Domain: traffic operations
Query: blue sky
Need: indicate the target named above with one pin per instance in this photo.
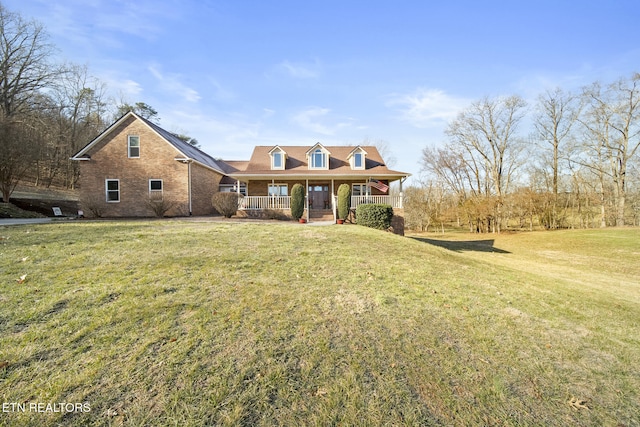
(235, 74)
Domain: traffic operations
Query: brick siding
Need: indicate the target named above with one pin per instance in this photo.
(109, 160)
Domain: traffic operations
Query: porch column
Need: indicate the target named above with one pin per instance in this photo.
(333, 198)
(306, 199)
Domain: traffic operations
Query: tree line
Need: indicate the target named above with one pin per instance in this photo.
(48, 110)
(576, 164)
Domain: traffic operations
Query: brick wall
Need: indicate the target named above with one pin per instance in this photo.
(204, 184)
(109, 160)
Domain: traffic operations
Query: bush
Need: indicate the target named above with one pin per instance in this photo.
(225, 203)
(374, 216)
(297, 201)
(159, 207)
(344, 201)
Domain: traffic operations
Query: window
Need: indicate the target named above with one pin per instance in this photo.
(357, 161)
(134, 146)
(155, 188)
(112, 187)
(357, 158)
(277, 160)
(318, 159)
(232, 188)
(278, 190)
(359, 190)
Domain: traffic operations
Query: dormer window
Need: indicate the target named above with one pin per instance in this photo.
(278, 158)
(357, 158)
(318, 157)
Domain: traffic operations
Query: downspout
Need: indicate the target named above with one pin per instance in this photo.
(189, 186)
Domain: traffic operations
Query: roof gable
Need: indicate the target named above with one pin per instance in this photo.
(187, 150)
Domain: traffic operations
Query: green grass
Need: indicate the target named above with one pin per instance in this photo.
(188, 323)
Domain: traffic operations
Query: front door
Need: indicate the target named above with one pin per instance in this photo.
(319, 196)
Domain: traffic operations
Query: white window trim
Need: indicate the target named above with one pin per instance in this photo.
(161, 191)
(129, 146)
(325, 159)
(106, 190)
(275, 184)
(363, 158)
(367, 189)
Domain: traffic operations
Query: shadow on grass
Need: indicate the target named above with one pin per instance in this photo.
(464, 245)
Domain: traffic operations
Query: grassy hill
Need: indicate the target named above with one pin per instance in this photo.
(189, 323)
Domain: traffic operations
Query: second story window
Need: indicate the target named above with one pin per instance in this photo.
(318, 159)
(277, 160)
(357, 158)
(134, 146)
(357, 161)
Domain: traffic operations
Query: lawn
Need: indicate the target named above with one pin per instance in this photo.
(220, 323)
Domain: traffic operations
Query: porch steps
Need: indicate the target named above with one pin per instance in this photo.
(317, 215)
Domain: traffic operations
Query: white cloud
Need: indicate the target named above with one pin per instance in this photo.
(119, 85)
(427, 107)
(300, 70)
(309, 119)
(171, 83)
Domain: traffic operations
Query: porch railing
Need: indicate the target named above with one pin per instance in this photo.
(265, 202)
(284, 202)
(394, 201)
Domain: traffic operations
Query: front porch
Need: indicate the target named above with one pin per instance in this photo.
(284, 202)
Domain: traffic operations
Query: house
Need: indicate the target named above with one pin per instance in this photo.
(267, 178)
(135, 163)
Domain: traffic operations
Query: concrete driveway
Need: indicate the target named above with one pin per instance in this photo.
(21, 221)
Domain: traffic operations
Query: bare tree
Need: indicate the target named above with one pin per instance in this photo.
(384, 149)
(25, 69)
(487, 131)
(77, 115)
(612, 121)
(556, 114)
(19, 144)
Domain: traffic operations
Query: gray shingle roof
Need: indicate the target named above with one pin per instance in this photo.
(187, 149)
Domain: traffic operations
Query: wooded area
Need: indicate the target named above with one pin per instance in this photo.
(48, 110)
(574, 163)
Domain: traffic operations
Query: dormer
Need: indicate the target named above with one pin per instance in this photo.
(357, 158)
(278, 158)
(318, 157)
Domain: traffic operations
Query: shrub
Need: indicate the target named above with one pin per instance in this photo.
(225, 203)
(374, 216)
(297, 201)
(94, 205)
(159, 206)
(344, 201)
